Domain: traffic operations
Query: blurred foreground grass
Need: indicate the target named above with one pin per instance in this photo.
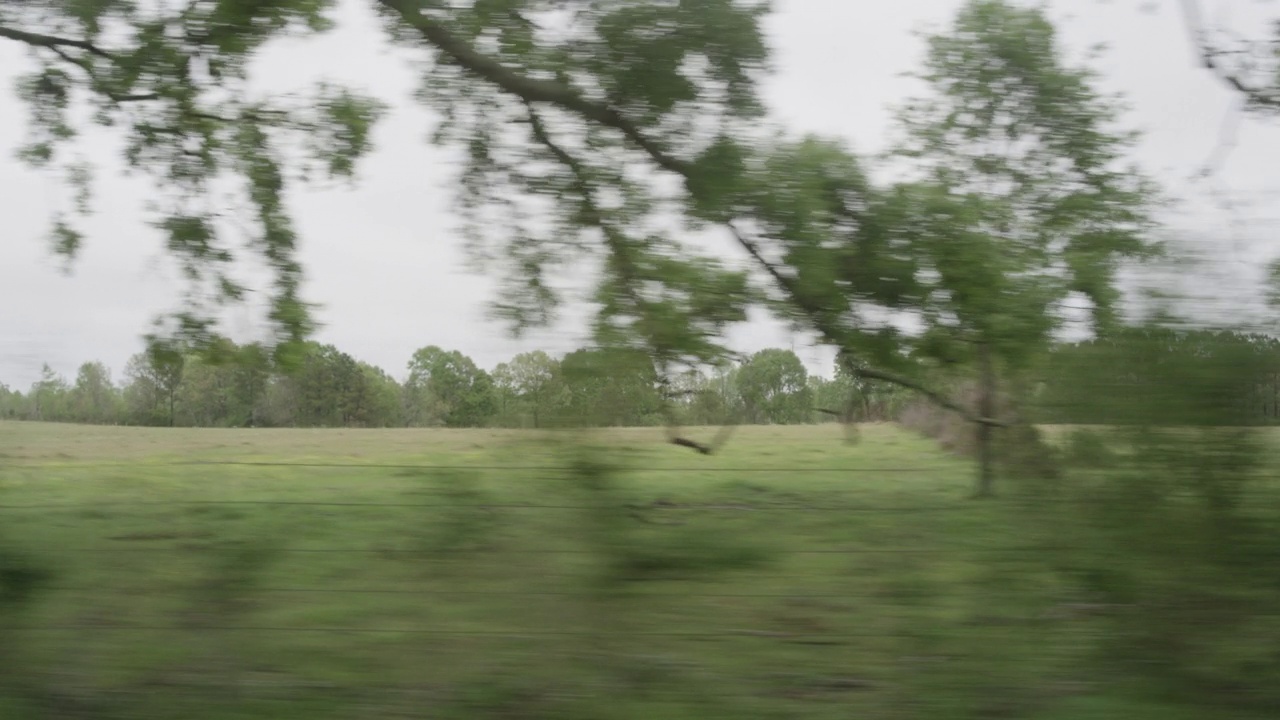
(202, 574)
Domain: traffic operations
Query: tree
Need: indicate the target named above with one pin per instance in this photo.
(93, 398)
(528, 387)
(1020, 198)
(446, 388)
(1245, 65)
(1124, 379)
(49, 396)
(327, 388)
(551, 117)
(153, 379)
(381, 405)
(223, 387)
(13, 405)
(167, 365)
(774, 388)
(610, 387)
(250, 367)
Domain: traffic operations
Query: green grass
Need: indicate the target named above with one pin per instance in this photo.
(202, 574)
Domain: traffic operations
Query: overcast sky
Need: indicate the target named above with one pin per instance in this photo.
(386, 265)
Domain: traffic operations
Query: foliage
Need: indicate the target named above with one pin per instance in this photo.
(550, 119)
(446, 388)
(174, 82)
(1022, 197)
(1127, 378)
(1171, 516)
(610, 387)
(529, 389)
(240, 386)
(774, 388)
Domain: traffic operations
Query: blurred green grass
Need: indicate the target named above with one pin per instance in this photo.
(440, 574)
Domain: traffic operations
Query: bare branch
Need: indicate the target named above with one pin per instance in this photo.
(1211, 58)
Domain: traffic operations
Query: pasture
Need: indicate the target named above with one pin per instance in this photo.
(202, 574)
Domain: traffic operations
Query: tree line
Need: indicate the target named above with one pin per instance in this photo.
(243, 386)
(1136, 373)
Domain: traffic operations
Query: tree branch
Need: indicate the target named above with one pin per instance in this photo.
(88, 70)
(58, 45)
(622, 253)
(840, 339)
(531, 90)
(52, 42)
(1209, 57)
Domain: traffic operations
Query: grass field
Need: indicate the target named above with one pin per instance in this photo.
(202, 574)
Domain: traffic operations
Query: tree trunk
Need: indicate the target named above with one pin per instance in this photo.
(986, 432)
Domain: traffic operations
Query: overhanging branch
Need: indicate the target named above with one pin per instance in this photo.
(51, 41)
(531, 90)
(618, 246)
(58, 46)
(838, 337)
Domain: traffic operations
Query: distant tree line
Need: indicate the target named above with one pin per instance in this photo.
(241, 386)
(1136, 373)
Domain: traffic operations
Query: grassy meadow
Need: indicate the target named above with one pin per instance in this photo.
(201, 574)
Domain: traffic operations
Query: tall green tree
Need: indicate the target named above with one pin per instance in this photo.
(141, 391)
(528, 389)
(325, 389)
(49, 396)
(152, 382)
(446, 388)
(611, 387)
(224, 387)
(1021, 200)
(380, 399)
(93, 398)
(774, 387)
(13, 405)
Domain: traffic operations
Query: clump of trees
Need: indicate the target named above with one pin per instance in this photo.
(242, 386)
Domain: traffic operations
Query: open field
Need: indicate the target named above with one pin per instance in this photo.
(470, 574)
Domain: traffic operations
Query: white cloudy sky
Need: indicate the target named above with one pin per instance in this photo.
(386, 265)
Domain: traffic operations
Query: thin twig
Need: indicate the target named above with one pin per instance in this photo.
(1210, 58)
